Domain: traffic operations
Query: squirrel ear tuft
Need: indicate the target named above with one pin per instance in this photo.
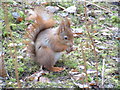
(67, 22)
(62, 23)
(61, 26)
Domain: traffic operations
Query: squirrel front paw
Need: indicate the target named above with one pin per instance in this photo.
(70, 49)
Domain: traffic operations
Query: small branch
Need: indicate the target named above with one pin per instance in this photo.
(73, 80)
(85, 65)
(5, 8)
(99, 7)
(95, 54)
(2, 67)
(94, 51)
(61, 7)
(103, 69)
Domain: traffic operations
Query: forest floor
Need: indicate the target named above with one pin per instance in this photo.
(97, 39)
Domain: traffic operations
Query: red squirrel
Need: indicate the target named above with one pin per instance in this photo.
(48, 42)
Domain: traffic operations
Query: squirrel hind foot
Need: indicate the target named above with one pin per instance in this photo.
(56, 69)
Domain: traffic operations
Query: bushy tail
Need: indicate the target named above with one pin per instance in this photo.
(42, 20)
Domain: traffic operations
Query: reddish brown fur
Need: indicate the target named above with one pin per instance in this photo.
(49, 42)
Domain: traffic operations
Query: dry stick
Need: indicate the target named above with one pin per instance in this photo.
(7, 24)
(99, 7)
(16, 68)
(73, 80)
(103, 70)
(2, 67)
(5, 7)
(95, 53)
(85, 65)
(61, 7)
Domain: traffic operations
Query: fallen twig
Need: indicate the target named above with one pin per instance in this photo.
(99, 7)
(85, 65)
(103, 69)
(61, 7)
(73, 80)
(5, 7)
(94, 51)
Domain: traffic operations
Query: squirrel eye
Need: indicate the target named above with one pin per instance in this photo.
(65, 37)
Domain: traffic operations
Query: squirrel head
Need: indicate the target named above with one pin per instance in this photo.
(65, 33)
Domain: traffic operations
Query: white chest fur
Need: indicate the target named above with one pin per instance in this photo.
(57, 55)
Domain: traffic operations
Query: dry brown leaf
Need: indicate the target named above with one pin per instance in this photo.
(92, 83)
(44, 80)
(79, 76)
(36, 76)
(73, 71)
(91, 71)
